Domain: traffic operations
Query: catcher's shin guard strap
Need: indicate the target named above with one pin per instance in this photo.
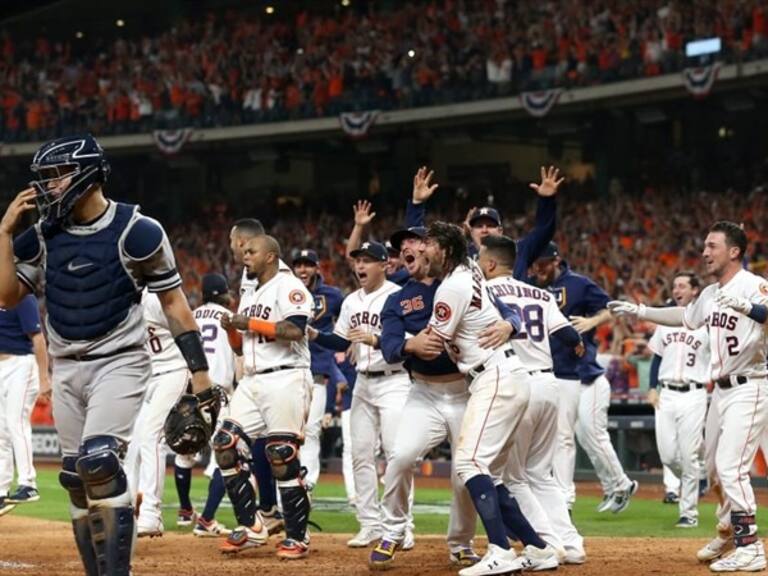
(82, 530)
(296, 509)
(226, 446)
(69, 479)
(242, 496)
(191, 347)
(112, 536)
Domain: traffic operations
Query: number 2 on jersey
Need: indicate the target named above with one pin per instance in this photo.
(209, 332)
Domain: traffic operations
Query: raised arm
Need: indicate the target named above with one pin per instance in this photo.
(416, 210)
(12, 290)
(363, 217)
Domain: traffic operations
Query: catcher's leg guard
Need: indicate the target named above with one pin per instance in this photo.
(69, 479)
(110, 513)
(237, 478)
(283, 454)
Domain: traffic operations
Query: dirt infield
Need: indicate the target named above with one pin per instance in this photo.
(36, 547)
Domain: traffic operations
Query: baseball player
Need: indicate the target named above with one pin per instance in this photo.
(680, 367)
(23, 378)
(528, 475)
(242, 231)
(344, 386)
(97, 255)
(272, 399)
(145, 459)
(327, 306)
(585, 391)
(734, 309)
(499, 391)
(380, 388)
(221, 361)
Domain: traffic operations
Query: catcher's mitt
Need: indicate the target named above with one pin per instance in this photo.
(190, 423)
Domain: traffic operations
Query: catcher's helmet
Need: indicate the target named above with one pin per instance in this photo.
(66, 168)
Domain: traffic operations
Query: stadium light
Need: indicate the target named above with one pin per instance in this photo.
(79, 35)
(345, 3)
(270, 9)
(120, 23)
(411, 53)
(703, 47)
(299, 50)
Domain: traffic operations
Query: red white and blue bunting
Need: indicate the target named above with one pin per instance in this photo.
(539, 103)
(357, 124)
(171, 141)
(699, 81)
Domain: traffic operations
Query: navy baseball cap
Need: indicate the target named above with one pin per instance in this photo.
(214, 285)
(551, 251)
(397, 238)
(375, 250)
(306, 255)
(485, 212)
(391, 249)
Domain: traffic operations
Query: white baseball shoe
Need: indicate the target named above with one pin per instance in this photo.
(605, 504)
(750, 558)
(718, 546)
(213, 529)
(574, 555)
(408, 540)
(496, 561)
(149, 527)
(367, 536)
(537, 559)
(243, 538)
(621, 498)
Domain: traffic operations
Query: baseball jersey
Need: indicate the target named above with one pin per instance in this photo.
(218, 352)
(462, 310)
(166, 356)
(540, 315)
(249, 283)
(577, 295)
(16, 326)
(283, 296)
(363, 310)
(737, 343)
(684, 354)
(142, 253)
(327, 306)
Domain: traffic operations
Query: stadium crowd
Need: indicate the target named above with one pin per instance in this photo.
(242, 66)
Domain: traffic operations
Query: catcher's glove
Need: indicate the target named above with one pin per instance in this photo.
(190, 423)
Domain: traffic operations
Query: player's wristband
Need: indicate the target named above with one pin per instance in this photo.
(191, 347)
(262, 327)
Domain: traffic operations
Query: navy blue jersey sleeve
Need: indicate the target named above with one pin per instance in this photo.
(593, 298)
(400, 276)
(28, 251)
(392, 339)
(511, 315)
(147, 245)
(654, 375)
(568, 336)
(415, 214)
(29, 315)
(332, 341)
(532, 244)
(298, 321)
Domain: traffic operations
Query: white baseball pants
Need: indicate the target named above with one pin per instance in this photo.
(528, 475)
(19, 385)
(679, 427)
(377, 405)
(310, 452)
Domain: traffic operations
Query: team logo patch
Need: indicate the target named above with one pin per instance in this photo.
(764, 289)
(297, 297)
(442, 311)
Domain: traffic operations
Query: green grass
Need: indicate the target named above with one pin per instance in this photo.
(643, 518)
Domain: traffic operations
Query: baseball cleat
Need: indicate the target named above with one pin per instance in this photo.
(537, 559)
(621, 498)
(383, 555)
(605, 503)
(150, 529)
(210, 529)
(5, 506)
(750, 558)
(364, 538)
(185, 517)
(243, 538)
(496, 561)
(670, 498)
(685, 522)
(290, 549)
(273, 520)
(464, 557)
(408, 541)
(23, 495)
(718, 546)
(574, 555)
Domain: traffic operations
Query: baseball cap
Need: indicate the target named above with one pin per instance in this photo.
(375, 250)
(306, 255)
(485, 212)
(391, 249)
(214, 285)
(551, 251)
(397, 238)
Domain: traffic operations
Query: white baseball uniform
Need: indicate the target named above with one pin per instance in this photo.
(738, 414)
(528, 475)
(499, 386)
(377, 400)
(683, 378)
(145, 459)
